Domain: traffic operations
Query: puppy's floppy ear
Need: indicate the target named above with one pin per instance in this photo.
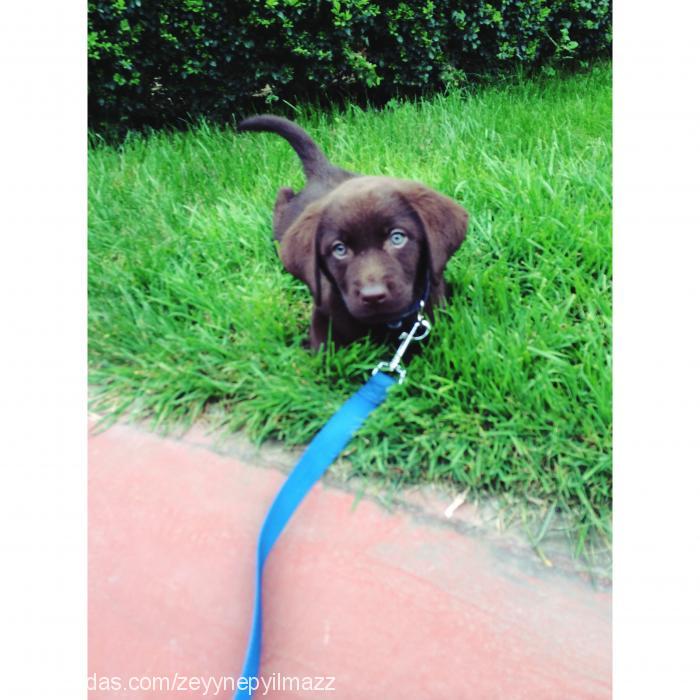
(298, 248)
(444, 222)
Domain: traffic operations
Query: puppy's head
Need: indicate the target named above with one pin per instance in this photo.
(374, 240)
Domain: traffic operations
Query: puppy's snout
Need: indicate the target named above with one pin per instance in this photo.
(373, 294)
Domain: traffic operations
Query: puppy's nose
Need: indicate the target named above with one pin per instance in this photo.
(373, 293)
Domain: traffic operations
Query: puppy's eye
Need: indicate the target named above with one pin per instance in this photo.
(397, 237)
(339, 250)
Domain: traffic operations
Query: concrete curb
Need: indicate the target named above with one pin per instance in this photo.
(388, 604)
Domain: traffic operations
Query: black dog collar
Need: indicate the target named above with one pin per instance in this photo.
(412, 312)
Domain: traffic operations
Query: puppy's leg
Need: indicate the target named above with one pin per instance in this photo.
(284, 197)
(323, 330)
(319, 329)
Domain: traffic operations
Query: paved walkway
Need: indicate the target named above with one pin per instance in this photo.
(359, 602)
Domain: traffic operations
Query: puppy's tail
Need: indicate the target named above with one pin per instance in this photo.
(313, 160)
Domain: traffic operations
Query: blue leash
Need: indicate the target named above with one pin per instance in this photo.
(319, 455)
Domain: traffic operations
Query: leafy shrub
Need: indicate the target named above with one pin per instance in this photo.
(168, 62)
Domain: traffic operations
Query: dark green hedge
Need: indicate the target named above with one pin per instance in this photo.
(167, 62)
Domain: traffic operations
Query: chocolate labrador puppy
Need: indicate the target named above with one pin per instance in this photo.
(369, 248)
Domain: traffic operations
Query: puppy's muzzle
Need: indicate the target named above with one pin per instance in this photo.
(373, 295)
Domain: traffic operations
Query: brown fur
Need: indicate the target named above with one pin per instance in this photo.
(376, 278)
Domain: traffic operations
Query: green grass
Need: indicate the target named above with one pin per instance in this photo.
(192, 314)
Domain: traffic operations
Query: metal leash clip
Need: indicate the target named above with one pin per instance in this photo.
(407, 337)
